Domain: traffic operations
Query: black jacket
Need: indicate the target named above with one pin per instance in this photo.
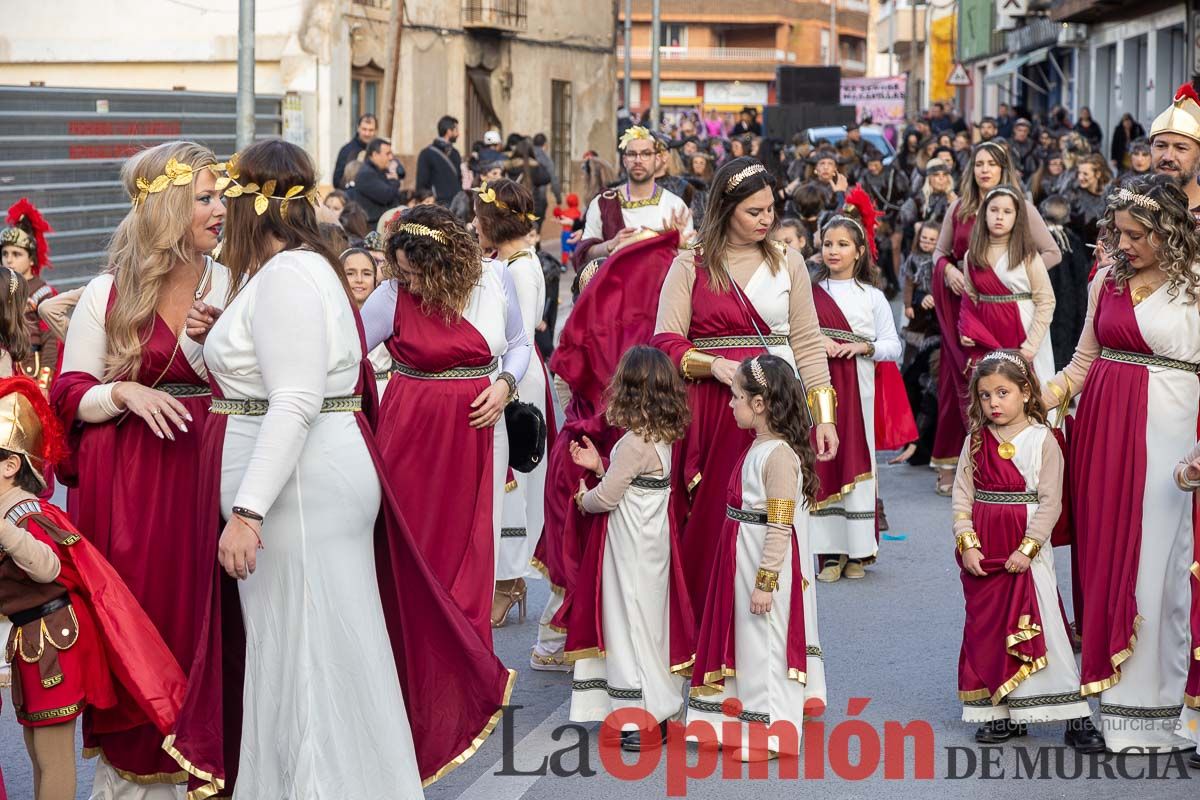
(375, 191)
(348, 153)
(439, 169)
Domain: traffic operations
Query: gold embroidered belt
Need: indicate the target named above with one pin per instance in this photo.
(651, 483)
(248, 407)
(1148, 360)
(454, 373)
(749, 515)
(1004, 298)
(383, 375)
(719, 342)
(1005, 498)
(183, 389)
(845, 336)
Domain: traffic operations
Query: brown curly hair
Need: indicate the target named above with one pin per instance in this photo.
(647, 397)
(1025, 379)
(1172, 231)
(500, 225)
(442, 275)
(787, 412)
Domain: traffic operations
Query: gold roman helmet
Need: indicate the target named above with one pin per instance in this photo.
(1183, 116)
(28, 426)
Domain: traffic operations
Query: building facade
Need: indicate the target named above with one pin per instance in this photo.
(916, 38)
(721, 55)
(518, 65)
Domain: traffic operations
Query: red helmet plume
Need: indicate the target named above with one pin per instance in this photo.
(1186, 90)
(859, 204)
(54, 443)
(23, 214)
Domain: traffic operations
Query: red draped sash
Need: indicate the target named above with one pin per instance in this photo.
(992, 326)
(134, 496)
(614, 312)
(431, 454)
(716, 651)
(707, 455)
(1002, 635)
(952, 381)
(895, 425)
(1106, 491)
(853, 460)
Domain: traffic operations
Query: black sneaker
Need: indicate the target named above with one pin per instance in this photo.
(998, 731)
(1083, 736)
(1194, 760)
(631, 741)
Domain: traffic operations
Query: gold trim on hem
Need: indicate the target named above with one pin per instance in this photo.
(571, 656)
(1191, 700)
(685, 668)
(212, 784)
(845, 490)
(714, 682)
(944, 463)
(169, 778)
(973, 695)
(1116, 659)
(799, 676)
(540, 567)
(478, 741)
(1195, 569)
(694, 482)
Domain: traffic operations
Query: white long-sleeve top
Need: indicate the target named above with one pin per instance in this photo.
(493, 309)
(87, 341)
(869, 315)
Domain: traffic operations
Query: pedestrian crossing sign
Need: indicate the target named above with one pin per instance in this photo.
(958, 76)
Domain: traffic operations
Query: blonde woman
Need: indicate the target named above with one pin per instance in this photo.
(134, 396)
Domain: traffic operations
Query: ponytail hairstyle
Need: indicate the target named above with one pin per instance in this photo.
(774, 380)
(1013, 366)
(14, 299)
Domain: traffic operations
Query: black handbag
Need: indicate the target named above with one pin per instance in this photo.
(526, 435)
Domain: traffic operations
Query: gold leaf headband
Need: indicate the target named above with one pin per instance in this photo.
(175, 174)
(633, 134)
(756, 370)
(1000, 355)
(753, 169)
(488, 195)
(12, 283)
(229, 186)
(1124, 195)
(417, 229)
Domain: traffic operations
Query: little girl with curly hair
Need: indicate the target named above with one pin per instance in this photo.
(631, 579)
(758, 642)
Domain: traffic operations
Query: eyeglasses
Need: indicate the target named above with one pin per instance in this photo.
(642, 156)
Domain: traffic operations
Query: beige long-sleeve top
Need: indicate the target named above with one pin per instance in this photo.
(1049, 483)
(630, 458)
(1043, 300)
(1181, 478)
(1042, 238)
(1070, 380)
(804, 331)
(56, 311)
(36, 558)
(781, 476)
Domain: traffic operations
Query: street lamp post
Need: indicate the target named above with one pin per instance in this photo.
(655, 36)
(628, 55)
(245, 74)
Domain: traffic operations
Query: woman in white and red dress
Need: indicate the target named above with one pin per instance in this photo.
(736, 296)
(1135, 367)
(453, 326)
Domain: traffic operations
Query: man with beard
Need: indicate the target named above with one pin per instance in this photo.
(1175, 144)
(439, 166)
(622, 214)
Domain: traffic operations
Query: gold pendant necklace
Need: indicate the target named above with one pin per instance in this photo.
(1006, 449)
(1141, 293)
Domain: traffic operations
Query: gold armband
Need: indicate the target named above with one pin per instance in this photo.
(1029, 547)
(780, 511)
(822, 402)
(766, 580)
(959, 516)
(966, 540)
(696, 364)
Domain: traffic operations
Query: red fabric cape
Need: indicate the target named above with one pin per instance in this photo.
(1106, 494)
(454, 686)
(582, 610)
(135, 680)
(952, 380)
(150, 531)
(1002, 633)
(612, 219)
(993, 326)
(614, 312)
(716, 645)
(895, 425)
(853, 458)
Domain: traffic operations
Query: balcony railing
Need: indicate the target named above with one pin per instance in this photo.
(498, 15)
(710, 54)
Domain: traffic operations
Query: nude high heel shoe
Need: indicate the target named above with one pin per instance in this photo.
(508, 594)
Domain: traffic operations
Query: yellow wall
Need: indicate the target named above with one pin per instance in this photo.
(941, 56)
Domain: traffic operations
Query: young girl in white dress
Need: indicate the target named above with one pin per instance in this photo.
(633, 664)
(758, 642)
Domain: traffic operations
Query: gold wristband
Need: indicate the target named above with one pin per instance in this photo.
(870, 350)
(966, 540)
(822, 402)
(959, 516)
(766, 580)
(696, 364)
(780, 511)
(1029, 547)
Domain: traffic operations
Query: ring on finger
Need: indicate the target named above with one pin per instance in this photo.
(156, 412)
